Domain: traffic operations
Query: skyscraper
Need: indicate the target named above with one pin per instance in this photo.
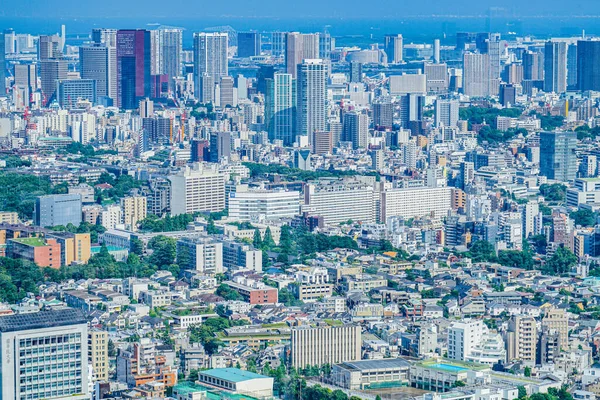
(572, 66)
(25, 78)
(210, 57)
(588, 65)
(49, 47)
(446, 112)
(355, 72)
(133, 67)
(278, 44)
(311, 96)
(94, 63)
(532, 66)
(300, 47)
(555, 67)
(356, 129)
(248, 44)
(436, 51)
(393, 48)
(227, 96)
(2, 64)
(280, 101)
(476, 79)
(58, 209)
(383, 114)
(169, 47)
(494, 50)
(558, 160)
(51, 70)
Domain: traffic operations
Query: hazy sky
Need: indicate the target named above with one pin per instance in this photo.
(287, 8)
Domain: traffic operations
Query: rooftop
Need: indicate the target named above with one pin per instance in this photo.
(42, 319)
(376, 364)
(232, 374)
(31, 241)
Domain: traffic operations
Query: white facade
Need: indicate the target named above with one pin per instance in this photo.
(341, 201)
(408, 83)
(255, 205)
(197, 189)
(325, 345)
(463, 337)
(416, 202)
(111, 216)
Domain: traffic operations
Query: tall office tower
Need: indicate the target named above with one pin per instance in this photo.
(508, 94)
(70, 91)
(169, 46)
(62, 335)
(532, 66)
(228, 97)
(293, 52)
(146, 108)
(300, 47)
(280, 101)
(2, 64)
(393, 48)
(311, 96)
(325, 345)
(555, 67)
(220, 146)
(513, 74)
(558, 160)
(436, 51)
(325, 45)
(57, 209)
(264, 72)
(481, 41)
(210, 57)
(197, 189)
(248, 44)
(572, 66)
(355, 72)
(476, 75)
(105, 36)
(49, 47)
(494, 50)
(25, 77)
(133, 67)
(205, 88)
(436, 77)
(588, 65)
(463, 337)
(446, 112)
(356, 129)
(94, 63)
(521, 339)
(278, 40)
(383, 114)
(51, 71)
(411, 109)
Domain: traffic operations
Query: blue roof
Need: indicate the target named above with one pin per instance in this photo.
(232, 374)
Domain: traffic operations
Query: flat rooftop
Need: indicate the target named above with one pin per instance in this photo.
(385, 363)
(232, 374)
(31, 241)
(42, 319)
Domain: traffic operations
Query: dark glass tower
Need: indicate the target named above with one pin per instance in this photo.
(133, 67)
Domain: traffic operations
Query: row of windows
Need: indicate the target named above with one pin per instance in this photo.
(50, 349)
(71, 338)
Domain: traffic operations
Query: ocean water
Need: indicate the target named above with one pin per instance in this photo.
(347, 31)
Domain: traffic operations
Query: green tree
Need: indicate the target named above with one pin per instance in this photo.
(482, 251)
(561, 261)
(257, 240)
(584, 217)
(527, 372)
(553, 192)
(164, 250)
(268, 242)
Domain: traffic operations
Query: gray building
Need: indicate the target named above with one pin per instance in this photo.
(555, 67)
(588, 65)
(210, 56)
(57, 209)
(98, 62)
(248, 44)
(558, 160)
(44, 355)
(69, 91)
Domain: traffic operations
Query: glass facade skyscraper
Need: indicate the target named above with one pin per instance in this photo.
(133, 67)
(558, 160)
(280, 102)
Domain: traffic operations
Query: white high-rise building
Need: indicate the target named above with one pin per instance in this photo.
(476, 74)
(256, 205)
(111, 216)
(279, 108)
(168, 42)
(59, 335)
(210, 57)
(311, 97)
(341, 200)
(203, 254)
(532, 219)
(325, 345)
(446, 112)
(200, 188)
(134, 211)
(555, 67)
(463, 337)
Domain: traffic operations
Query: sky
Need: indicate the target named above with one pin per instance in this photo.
(287, 8)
